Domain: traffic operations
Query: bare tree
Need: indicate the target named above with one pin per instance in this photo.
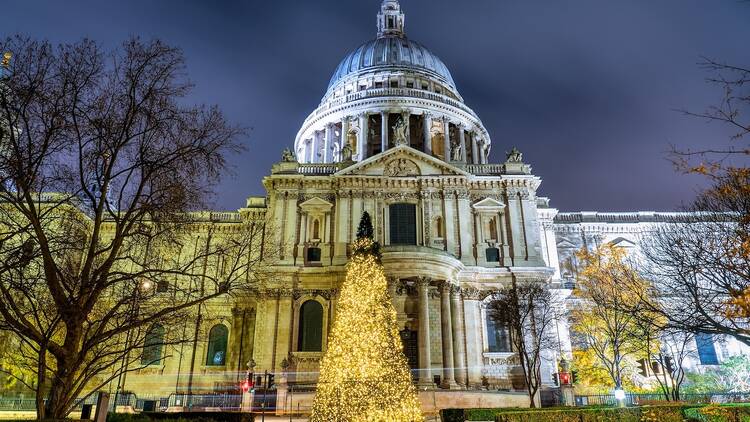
(606, 314)
(732, 111)
(529, 310)
(700, 274)
(103, 167)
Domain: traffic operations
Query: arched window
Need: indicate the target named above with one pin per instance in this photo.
(316, 229)
(217, 345)
(310, 337)
(152, 345)
(498, 339)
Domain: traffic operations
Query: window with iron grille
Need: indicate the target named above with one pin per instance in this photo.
(403, 224)
(493, 255)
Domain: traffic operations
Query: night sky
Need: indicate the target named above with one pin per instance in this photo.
(586, 89)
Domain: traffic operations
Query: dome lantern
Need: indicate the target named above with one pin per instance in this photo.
(391, 19)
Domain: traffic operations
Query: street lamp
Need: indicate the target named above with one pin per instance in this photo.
(620, 396)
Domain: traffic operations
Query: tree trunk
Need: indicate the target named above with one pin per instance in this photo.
(40, 382)
(58, 400)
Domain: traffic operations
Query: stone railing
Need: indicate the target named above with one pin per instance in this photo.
(395, 92)
(484, 169)
(320, 168)
(624, 217)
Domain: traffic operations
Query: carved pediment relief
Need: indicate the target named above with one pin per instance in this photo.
(401, 167)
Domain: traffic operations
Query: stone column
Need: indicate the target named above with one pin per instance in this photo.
(447, 140)
(459, 346)
(392, 284)
(448, 380)
(327, 144)
(363, 135)
(405, 118)
(345, 132)
(473, 331)
(427, 147)
(384, 131)
(474, 149)
(462, 142)
(423, 335)
(315, 147)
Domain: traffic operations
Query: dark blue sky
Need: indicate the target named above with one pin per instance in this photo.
(586, 89)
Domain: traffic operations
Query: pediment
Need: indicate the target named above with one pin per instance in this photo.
(566, 244)
(402, 161)
(488, 204)
(316, 203)
(621, 242)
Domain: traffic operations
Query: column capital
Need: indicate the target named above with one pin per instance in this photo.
(447, 285)
(423, 281)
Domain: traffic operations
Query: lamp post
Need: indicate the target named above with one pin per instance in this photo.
(620, 396)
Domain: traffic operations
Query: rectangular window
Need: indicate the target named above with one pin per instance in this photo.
(378, 84)
(313, 254)
(706, 349)
(394, 84)
(493, 255)
(403, 224)
(497, 337)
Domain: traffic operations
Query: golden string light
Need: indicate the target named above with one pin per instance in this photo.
(364, 375)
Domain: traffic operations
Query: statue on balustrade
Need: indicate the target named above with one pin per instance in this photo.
(456, 152)
(287, 156)
(514, 156)
(399, 133)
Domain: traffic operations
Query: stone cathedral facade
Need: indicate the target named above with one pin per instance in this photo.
(393, 137)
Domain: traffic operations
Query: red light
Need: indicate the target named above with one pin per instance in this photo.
(564, 378)
(245, 386)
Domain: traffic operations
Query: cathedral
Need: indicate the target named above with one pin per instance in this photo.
(393, 137)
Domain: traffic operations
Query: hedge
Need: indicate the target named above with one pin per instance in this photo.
(655, 413)
(181, 417)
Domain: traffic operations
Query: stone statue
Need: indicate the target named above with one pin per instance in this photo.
(346, 153)
(456, 152)
(514, 156)
(399, 133)
(287, 156)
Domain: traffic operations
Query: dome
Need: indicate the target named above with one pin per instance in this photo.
(385, 90)
(389, 52)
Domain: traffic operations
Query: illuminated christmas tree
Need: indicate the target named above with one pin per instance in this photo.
(364, 375)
